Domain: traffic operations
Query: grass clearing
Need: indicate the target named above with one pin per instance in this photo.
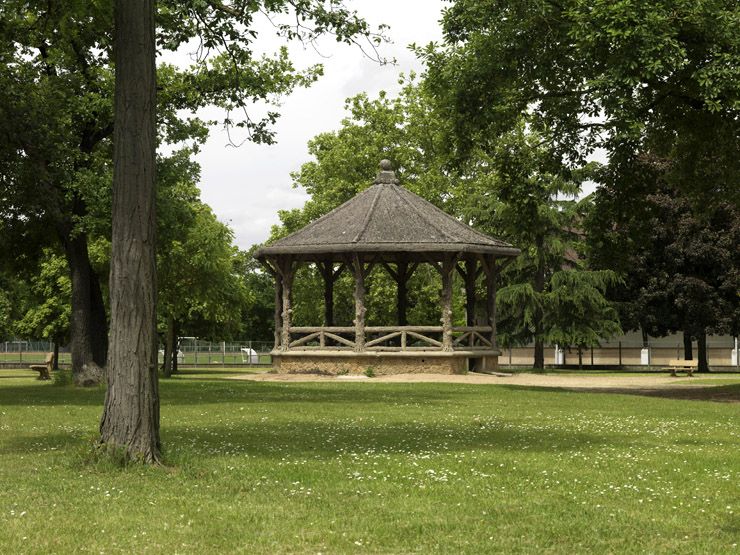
(372, 468)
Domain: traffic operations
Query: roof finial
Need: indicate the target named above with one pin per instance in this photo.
(386, 174)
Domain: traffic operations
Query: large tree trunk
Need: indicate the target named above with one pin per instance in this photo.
(687, 349)
(702, 352)
(130, 420)
(88, 326)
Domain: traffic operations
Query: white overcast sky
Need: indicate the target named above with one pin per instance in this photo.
(246, 186)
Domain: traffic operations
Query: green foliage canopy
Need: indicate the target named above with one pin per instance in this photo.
(621, 75)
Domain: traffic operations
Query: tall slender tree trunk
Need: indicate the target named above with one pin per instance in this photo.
(130, 420)
(176, 345)
(402, 299)
(539, 287)
(687, 349)
(470, 269)
(169, 346)
(329, 298)
(55, 366)
(88, 326)
(702, 352)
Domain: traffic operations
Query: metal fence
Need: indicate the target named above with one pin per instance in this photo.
(207, 353)
(191, 352)
(29, 352)
(721, 352)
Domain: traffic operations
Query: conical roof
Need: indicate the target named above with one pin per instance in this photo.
(390, 219)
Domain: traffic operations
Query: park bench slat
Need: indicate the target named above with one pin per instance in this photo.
(678, 365)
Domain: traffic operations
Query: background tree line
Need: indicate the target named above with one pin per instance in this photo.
(512, 165)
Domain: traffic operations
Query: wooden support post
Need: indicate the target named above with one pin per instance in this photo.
(470, 268)
(278, 310)
(494, 325)
(358, 269)
(489, 267)
(273, 268)
(328, 302)
(448, 266)
(327, 272)
(286, 270)
(469, 273)
(402, 292)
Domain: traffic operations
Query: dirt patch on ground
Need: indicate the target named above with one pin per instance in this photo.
(655, 386)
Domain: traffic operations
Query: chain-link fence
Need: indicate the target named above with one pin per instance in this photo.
(29, 352)
(197, 352)
(192, 352)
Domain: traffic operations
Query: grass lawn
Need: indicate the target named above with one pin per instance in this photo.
(372, 468)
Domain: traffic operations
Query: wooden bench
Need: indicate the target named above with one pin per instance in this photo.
(678, 365)
(44, 370)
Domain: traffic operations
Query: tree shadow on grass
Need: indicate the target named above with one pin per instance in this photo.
(326, 440)
(195, 392)
(717, 393)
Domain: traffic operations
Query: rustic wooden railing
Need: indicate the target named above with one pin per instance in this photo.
(388, 338)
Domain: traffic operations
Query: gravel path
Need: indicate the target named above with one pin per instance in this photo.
(537, 380)
(658, 386)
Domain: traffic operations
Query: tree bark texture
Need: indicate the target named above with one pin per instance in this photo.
(130, 420)
(176, 345)
(358, 269)
(491, 290)
(701, 347)
(278, 310)
(169, 347)
(286, 269)
(330, 276)
(687, 347)
(88, 324)
(329, 302)
(402, 295)
(489, 267)
(401, 275)
(448, 267)
(470, 276)
(55, 366)
(539, 287)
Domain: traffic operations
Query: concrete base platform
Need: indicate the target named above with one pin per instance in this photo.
(383, 363)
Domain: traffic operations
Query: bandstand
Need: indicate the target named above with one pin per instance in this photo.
(389, 226)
